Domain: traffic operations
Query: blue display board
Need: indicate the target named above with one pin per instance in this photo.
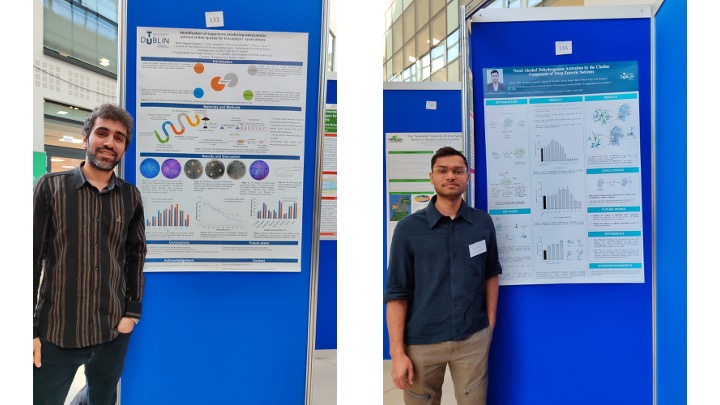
(405, 110)
(570, 343)
(326, 326)
(671, 203)
(331, 92)
(215, 337)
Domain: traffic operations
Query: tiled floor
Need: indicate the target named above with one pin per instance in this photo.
(324, 388)
(394, 396)
(324, 373)
(77, 385)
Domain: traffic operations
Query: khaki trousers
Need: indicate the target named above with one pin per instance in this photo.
(468, 362)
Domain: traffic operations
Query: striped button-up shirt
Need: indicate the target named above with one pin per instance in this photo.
(88, 256)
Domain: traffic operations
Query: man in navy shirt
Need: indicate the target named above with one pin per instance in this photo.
(442, 291)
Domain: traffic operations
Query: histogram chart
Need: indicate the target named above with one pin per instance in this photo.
(564, 249)
(554, 152)
(562, 199)
(171, 216)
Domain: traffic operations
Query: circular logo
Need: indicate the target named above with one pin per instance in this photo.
(248, 95)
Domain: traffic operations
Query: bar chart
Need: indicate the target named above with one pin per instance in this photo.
(554, 251)
(275, 210)
(562, 199)
(564, 249)
(554, 152)
(170, 216)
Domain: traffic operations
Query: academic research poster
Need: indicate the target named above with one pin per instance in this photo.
(220, 143)
(564, 172)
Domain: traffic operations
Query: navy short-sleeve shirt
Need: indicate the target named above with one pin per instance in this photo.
(440, 266)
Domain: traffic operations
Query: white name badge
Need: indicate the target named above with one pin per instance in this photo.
(477, 248)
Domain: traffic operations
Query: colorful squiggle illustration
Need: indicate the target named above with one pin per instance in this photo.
(174, 129)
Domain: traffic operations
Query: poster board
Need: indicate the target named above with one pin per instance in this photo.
(328, 225)
(415, 109)
(326, 329)
(671, 209)
(260, 317)
(559, 341)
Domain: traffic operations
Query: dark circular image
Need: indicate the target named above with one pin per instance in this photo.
(193, 169)
(171, 168)
(149, 168)
(259, 170)
(215, 169)
(236, 169)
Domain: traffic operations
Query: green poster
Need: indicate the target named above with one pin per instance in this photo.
(331, 121)
(39, 165)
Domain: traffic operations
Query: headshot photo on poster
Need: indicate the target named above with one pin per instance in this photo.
(495, 80)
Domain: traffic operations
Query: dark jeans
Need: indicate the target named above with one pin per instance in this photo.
(103, 367)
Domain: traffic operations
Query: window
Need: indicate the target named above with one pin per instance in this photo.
(452, 16)
(397, 63)
(410, 55)
(331, 51)
(422, 40)
(397, 35)
(436, 6)
(437, 57)
(84, 33)
(388, 44)
(453, 46)
(396, 9)
(409, 74)
(422, 12)
(438, 28)
(423, 66)
(453, 71)
(63, 136)
(409, 23)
